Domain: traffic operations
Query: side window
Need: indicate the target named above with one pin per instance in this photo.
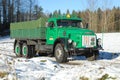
(51, 24)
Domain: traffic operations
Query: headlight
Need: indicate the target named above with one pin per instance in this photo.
(99, 41)
(74, 44)
(69, 41)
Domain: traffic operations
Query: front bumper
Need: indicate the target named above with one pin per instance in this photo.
(80, 51)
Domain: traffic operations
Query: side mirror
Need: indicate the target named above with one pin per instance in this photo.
(87, 25)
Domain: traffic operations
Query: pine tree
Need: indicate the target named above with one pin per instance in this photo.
(55, 13)
(74, 13)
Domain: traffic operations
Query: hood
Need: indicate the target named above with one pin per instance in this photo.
(75, 34)
(75, 31)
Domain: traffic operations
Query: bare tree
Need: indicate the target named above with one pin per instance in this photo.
(4, 13)
(0, 17)
(92, 4)
(12, 11)
(4, 10)
(30, 10)
(0, 10)
(9, 11)
(38, 11)
(18, 4)
(106, 15)
(28, 6)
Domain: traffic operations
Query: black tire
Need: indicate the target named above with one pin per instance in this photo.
(96, 54)
(18, 49)
(25, 51)
(90, 56)
(28, 51)
(60, 54)
(31, 51)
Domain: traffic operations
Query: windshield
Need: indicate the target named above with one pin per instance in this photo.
(71, 23)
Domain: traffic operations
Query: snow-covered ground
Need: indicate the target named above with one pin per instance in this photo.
(106, 67)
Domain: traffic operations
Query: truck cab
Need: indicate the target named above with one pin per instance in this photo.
(69, 37)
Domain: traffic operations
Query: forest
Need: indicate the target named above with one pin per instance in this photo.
(99, 20)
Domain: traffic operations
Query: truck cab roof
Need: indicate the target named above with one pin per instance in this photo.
(64, 18)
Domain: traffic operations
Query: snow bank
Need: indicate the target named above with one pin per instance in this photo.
(36, 68)
(111, 42)
(45, 68)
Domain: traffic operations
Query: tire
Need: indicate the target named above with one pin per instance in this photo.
(25, 51)
(31, 51)
(17, 49)
(96, 54)
(90, 57)
(60, 54)
(28, 51)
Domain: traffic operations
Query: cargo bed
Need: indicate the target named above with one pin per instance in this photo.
(29, 30)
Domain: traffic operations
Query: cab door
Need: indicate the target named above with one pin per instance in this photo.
(51, 33)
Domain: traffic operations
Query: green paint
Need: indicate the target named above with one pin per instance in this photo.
(36, 30)
(17, 50)
(25, 50)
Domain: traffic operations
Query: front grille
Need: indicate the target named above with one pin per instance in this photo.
(88, 41)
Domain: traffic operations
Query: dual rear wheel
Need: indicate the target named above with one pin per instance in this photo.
(24, 50)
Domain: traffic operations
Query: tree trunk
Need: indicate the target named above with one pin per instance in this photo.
(18, 10)
(12, 11)
(4, 14)
(30, 12)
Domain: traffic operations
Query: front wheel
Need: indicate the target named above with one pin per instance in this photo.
(92, 56)
(60, 54)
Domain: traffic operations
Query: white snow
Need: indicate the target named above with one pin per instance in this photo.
(46, 68)
(111, 42)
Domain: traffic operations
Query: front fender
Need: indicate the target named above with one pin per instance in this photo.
(63, 42)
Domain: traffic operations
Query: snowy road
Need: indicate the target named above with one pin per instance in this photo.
(45, 68)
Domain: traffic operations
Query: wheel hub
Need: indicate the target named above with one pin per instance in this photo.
(24, 50)
(59, 53)
(17, 49)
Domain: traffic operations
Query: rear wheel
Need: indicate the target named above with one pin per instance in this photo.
(28, 51)
(25, 50)
(17, 49)
(32, 51)
(60, 54)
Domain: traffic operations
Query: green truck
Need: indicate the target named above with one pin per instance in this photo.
(62, 37)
